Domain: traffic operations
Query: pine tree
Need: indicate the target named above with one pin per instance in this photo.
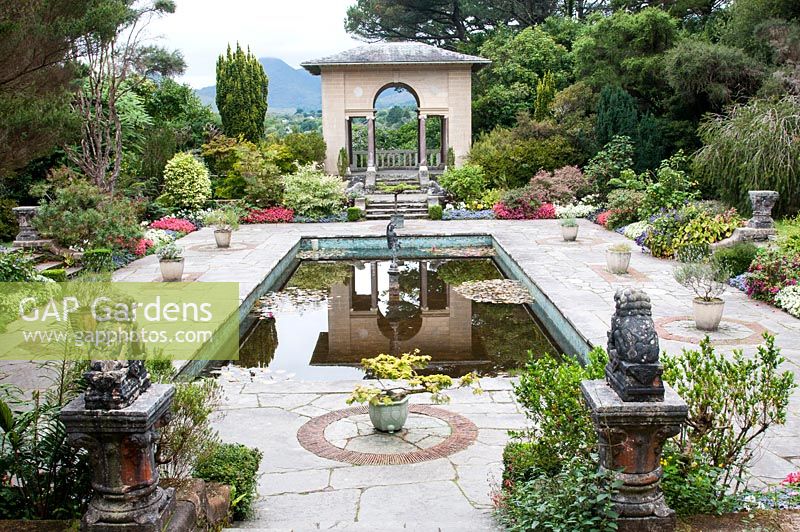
(616, 115)
(545, 94)
(242, 88)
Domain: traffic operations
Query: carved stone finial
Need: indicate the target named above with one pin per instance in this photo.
(114, 384)
(633, 369)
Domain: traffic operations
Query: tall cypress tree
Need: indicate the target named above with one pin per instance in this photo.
(545, 94)
(242, 88)
(616, 115)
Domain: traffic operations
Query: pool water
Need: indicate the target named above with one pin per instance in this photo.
(331, 314)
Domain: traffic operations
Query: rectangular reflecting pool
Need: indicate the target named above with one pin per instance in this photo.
(331, 314)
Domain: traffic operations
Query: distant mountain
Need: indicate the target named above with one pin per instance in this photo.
(291, 89)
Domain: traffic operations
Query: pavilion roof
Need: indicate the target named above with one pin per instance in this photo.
(393, 53)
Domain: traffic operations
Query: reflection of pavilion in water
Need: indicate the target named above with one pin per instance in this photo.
(375, 312)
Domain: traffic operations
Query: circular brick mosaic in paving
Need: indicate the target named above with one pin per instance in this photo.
(348, 436)
(212, 247)
(730, 332)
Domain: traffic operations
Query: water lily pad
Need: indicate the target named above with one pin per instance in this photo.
(495, 291)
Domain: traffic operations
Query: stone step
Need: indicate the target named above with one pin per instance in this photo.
(386, 216)
(72, 271)
(49, 265)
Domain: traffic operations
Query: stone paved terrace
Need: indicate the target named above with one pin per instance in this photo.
(301, 490)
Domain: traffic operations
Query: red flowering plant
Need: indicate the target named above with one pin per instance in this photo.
(523, 204)
(170, 223)
(772, 270)
(142, 247)
(272, 215)
(602, 218)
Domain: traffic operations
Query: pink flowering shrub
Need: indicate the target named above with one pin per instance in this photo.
(561, 186)
(170, 223)
(602, 218)
(792, 478)
(770, 271)
(272, 215)
(142, 247)
(546, 211)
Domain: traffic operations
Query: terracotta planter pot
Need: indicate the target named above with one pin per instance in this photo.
(389, 418)
(171, 270)
(570, 234)
(708, 314)
(223, 238)
(618, 262)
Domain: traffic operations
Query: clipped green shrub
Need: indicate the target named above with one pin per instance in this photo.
(186, 182)
(310, 192)
(237, 466)
(98, 260)
(736, 259)
(354, 214)
(58, 275)
(435, 212)
(466, 183)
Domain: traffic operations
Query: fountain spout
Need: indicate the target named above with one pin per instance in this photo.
(393, 242)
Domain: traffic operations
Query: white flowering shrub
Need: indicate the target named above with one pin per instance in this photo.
(581, 209)
(789, 300)
(635, 230)
(159, 237)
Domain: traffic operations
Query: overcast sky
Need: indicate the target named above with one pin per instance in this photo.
(293, 30)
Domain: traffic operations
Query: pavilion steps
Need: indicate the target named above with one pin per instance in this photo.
(410, 207)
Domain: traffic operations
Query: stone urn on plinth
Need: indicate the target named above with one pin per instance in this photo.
(634, 413)
(762, 202)
(28, 236)
(116, 420)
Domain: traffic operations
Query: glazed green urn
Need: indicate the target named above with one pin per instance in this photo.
(389, 418)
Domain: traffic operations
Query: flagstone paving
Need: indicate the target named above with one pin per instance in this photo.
(301, 490)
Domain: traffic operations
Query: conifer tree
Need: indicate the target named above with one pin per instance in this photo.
(242, 88)
(616, 115)
(545, 93)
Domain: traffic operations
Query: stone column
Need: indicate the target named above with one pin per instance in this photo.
(423, 152)
(423, 285)
(348, 135)
(373, 270)
(117, 421)
(634, 413)
(444, 141)
(372, 171)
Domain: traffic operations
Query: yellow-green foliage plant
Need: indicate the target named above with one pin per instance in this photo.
(402, 371)
(186, 182)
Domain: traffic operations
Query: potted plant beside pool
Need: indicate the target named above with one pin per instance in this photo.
(618, 258)
(707, 278)
(388, 401)
(224, 221)
(170, 259)
(569, 229)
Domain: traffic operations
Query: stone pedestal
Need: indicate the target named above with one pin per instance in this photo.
(121, 448)
(759, 228)
(631, 437)
(27, 237)
(762, 202)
